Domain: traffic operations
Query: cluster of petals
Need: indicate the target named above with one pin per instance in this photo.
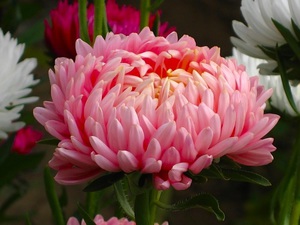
(160, 106)
(16, 82)
(259, 29)
(99, 220)
(63, 31)
(278, 99)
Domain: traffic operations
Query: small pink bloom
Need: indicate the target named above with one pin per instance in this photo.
(161, 106)
(63, 31)
(99, 220)
(26, 139)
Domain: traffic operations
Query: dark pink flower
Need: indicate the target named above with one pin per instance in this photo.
(26, 139)
(61, 34)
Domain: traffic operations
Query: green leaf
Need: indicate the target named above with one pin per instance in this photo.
(245, 176)
(104, 182)
(296, 29)
(285, 82)
(53, 198)
(51, 141)
(228, 171)
(88, 220)
(122, 197)
(213, 171)
(270, 52)
(202, 200)
(288, 36)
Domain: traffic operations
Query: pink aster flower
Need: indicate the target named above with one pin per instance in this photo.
(26, 139)
(161, 106)
(61, 35)
(99, 220)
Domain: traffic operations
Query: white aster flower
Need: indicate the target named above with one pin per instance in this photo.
(15, 83)
(260, 29)
(278, 100)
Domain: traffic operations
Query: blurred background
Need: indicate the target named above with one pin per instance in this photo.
(209, 22)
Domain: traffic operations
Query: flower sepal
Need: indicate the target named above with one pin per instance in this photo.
(104, 181)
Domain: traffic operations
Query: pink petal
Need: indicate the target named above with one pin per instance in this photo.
(228, 123)
(116, 136)
(75, 175)
(201, 163)
(102, 149)
(170, 157)
(151, 165)
(105, 163)
(184, 184)
(136, 141)
(76, 158)
(188, 152)
(222, 147)
(153, 150)
(175, 174)
(204, 140)
(79, 146)
(127, 161)
(161, 184)
(164, 134)
(54, 131)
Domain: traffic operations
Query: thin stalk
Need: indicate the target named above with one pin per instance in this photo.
(295, 214)
(83, 28)
(288, 192)
(145, 208)
(144, 13)
(100, 20)
(92, 202)
(52, 198)
(155, 196)
(141, 209)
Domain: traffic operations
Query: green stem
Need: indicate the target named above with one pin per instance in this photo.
(288, 193)
(155, 196)
(52, 197)
(141, 209)
(144, 13)
(83, 28)
(145, 207)
(92, 203)
(295, 214)
(100, 20)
